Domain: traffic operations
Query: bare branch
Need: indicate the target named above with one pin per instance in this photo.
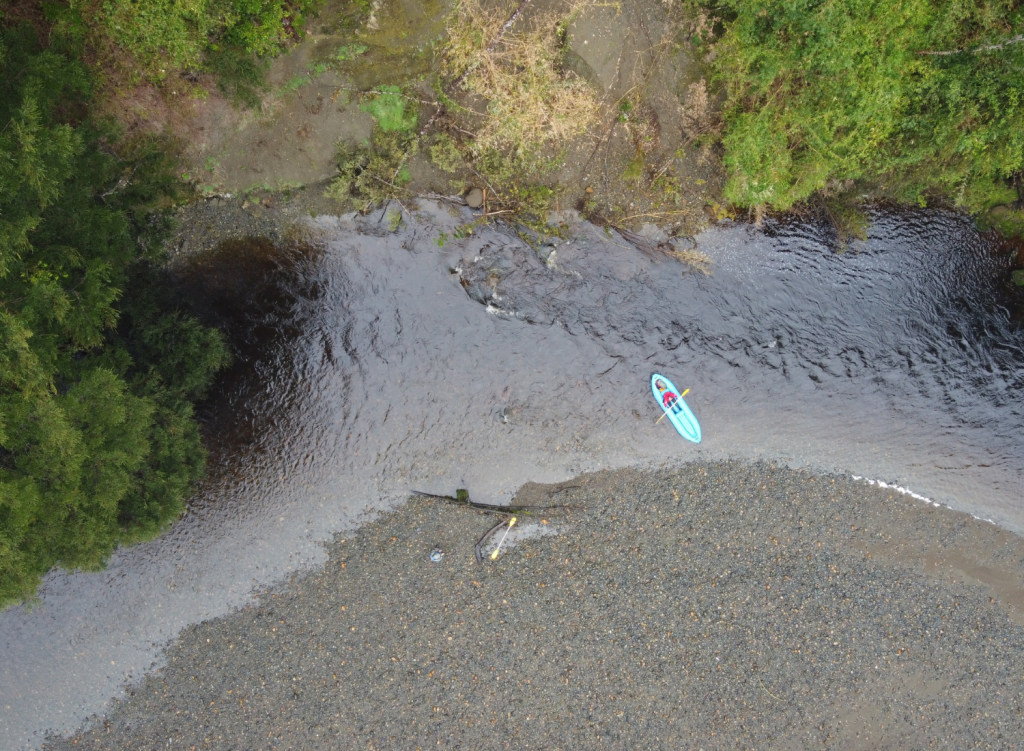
(1016, 40)
(123, 182)
(984, 48)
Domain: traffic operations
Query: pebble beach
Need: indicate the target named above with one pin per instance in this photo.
(712, 605)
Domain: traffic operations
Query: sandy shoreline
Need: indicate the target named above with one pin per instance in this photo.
(722, 605)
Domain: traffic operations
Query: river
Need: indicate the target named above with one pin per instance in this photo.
(373, 362)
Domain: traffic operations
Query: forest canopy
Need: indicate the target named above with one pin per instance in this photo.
(99, 364)
(924, 98)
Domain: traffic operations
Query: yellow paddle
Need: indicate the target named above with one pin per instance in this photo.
(665, 413)
(511, 523)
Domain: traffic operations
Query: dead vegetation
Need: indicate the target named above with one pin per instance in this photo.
(698, 118)
(529, 101)
(509, 107)
(691, 257)
(526, 124)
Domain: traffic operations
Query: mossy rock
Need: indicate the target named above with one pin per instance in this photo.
(1018, 277)
(1008, 221)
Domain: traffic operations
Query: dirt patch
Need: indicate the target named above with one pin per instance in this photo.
(638, 164)
(312, 104)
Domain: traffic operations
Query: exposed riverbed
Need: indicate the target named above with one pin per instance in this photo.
(721, 606)
(373, 362)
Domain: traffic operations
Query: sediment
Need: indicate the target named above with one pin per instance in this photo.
(715, 605)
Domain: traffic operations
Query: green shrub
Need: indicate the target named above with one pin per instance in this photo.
(156, 40)
(517, 187)
(260, 26)
(446, 155)
(393, 111)
(162, 36)
(240, 75)
(349, 52)
(854, 89)
(371, 174)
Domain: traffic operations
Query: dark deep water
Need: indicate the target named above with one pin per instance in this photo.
(370, 363)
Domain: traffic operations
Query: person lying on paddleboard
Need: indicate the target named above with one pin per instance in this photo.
(668, 398)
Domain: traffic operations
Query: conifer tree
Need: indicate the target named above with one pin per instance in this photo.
(98, 445)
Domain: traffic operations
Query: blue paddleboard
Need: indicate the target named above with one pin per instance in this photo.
(679, 414)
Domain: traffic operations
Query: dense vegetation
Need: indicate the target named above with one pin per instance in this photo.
(171, 43)
(99, 364)
(155, 39)
(922, 98)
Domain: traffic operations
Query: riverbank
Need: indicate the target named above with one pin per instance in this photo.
(651, 155)
(610, 123)
(717, 605)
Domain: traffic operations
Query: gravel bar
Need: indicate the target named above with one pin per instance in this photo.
(717, 605)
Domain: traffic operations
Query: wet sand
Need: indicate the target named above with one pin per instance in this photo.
(717, 605)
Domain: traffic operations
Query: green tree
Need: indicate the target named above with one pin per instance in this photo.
(97, 376)
(919, 96)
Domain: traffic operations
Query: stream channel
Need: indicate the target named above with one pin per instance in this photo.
(372, 362)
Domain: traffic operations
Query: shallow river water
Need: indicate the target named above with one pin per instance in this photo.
(371, 363)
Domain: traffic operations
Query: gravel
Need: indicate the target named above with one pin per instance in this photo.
(274, 216)
(717, 605)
